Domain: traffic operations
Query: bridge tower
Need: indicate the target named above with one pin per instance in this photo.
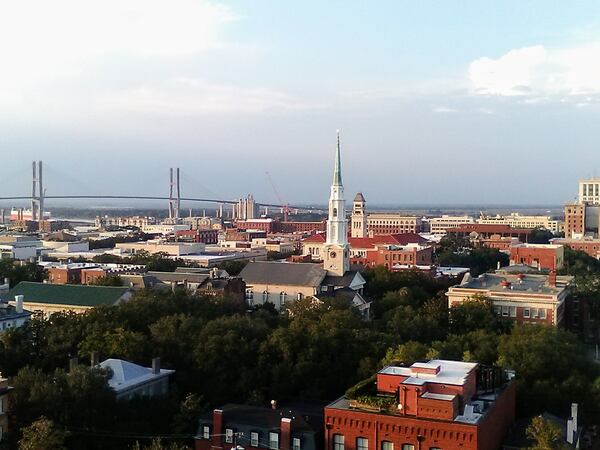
(37, 192)
(174, 202)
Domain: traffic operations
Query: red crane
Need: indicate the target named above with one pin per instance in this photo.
(285, 207)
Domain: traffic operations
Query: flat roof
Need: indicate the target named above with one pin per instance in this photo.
(451, 372)
(524, 283)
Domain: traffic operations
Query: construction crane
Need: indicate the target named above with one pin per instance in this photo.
(285, 207)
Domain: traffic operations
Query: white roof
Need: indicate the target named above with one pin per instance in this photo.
(126, 375)
(451, 372)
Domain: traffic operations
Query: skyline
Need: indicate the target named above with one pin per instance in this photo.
(222, 89)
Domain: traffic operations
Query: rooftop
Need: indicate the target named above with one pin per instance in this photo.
(67, 294)
(126, 375)
(283, 273)
(448, 372)
(502, 281)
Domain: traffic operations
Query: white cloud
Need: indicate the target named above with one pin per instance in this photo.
(194, 95)
(537, 72)
(444, 110)
(42, 42)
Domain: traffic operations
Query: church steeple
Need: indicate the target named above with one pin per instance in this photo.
(336, 258)
(337, 169)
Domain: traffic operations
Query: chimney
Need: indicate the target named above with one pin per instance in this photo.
(552, 278)
(155, 366)
(73, 364)
(19, 302)
(286, 433)
(572, 425)
(95, 358)
(217, 430)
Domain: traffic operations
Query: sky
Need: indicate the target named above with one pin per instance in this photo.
(465, 102)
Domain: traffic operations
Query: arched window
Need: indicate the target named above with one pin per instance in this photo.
(334, 212)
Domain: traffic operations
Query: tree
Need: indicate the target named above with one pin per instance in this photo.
(552, 367)
(42, 435)
(454, 251)
(476, 313)
(17, 271)
(405, 354)
(540, 236)
(157, 444)
(546, 435)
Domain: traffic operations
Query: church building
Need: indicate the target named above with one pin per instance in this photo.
(281, 282)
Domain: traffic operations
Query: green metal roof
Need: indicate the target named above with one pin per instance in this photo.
(67, 294)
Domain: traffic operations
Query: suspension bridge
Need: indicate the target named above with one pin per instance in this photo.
(38, 196)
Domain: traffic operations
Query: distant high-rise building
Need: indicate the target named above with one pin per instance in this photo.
(245, 208)
(589, 191)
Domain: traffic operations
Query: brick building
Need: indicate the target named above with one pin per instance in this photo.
(266, 225)
(574, 220)
(541, 256)
(301, 227)
(396, 257)
(438, 405)
(199, 235)
(254, 428)
(520, 297)
(587, 245)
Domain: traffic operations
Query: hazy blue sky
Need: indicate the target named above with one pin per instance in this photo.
(438, 102)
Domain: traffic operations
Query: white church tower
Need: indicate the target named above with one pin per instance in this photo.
(336, 258)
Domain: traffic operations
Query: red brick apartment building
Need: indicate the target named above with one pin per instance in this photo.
(520, 297)
(257, 428)
(587, 245)
(396, 257)
(574, 219)
(438, 405)
(197, 235)
(541, 256)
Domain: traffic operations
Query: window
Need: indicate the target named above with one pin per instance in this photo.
(497, 309)
(504, 311)
(334, 212)
(254, 439)
(408, 447)
(387, 445)
(296, 444)
(265, 296)
(282, 296)
(534, 313)
(206, 432)
(338, 442)
(229, 435)
(434, 448)
(542, 313)
(513, 311)
(273, 441)
(362, 443)
(526, 313)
